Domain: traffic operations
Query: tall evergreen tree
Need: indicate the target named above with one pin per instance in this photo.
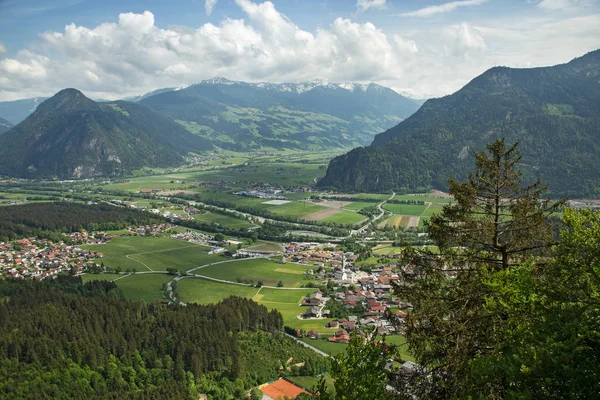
(494, 224)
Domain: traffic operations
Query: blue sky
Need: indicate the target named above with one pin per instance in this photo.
(426, 48)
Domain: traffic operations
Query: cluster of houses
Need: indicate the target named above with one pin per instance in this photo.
(149, 230)
(265, 191)
(35, 258)
(371, 291)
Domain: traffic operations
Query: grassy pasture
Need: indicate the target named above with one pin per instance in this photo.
(223, 220)
(183, 258)
(328, 347)
(115, 252)
(99, 277)
(359, 205)
(147, 287)
(266, 246)
(295, 209)
(432, 209)
(257, 270)
(202, 291)
(345, 217)
(405, 209)
(157, 253)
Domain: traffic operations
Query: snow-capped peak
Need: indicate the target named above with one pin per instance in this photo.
(218, 80)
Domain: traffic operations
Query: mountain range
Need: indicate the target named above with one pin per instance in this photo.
(17, 110)
(553, 111)
(245, 116)
(312, 115)
(70, 135)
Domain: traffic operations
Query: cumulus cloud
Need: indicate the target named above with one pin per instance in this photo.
(442, 8)
(364, 5)
(463, 40)
(132, 55)
(209, 5)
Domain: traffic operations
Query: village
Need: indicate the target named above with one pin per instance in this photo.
(355, 298)
(39, 258)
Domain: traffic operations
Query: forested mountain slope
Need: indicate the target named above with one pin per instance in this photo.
(70, 135)
(553, 111)
(311, 115)
(4, 125)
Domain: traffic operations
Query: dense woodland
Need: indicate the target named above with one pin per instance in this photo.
(65, 339)
(49, 220)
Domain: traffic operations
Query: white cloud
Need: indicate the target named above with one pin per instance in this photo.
(132, 55)
(2, 48)
(564, 4)
(209, 5)
(364, 5)
(442, 8)
(462, 40)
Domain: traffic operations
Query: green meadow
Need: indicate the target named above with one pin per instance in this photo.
(405, 209)
(345, 217)
(142, 253)
(265, 270)
(137, 287)
(223, 220)
(203, 291)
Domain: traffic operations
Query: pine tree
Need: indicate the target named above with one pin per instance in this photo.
(494, 224)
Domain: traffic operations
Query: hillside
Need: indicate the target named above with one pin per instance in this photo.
(17, 110)
(312, 115)
(70, 135)
(4, 125)
(553, 111)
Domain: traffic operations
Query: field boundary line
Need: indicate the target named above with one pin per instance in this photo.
(133, 259)
(163, 250)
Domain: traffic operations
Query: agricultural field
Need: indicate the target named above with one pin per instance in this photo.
(328, 347)
(345, 217)
(183, 258)
(400, 221)
(287, 303)
(264, 270)
(147, 287)
(432, 209)
(99, 277)
(359, 205)
(266, 246)
(223, 220)
(296, 209)
(203, 291)
(137, 287)
(405, 209)
(152, 254)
